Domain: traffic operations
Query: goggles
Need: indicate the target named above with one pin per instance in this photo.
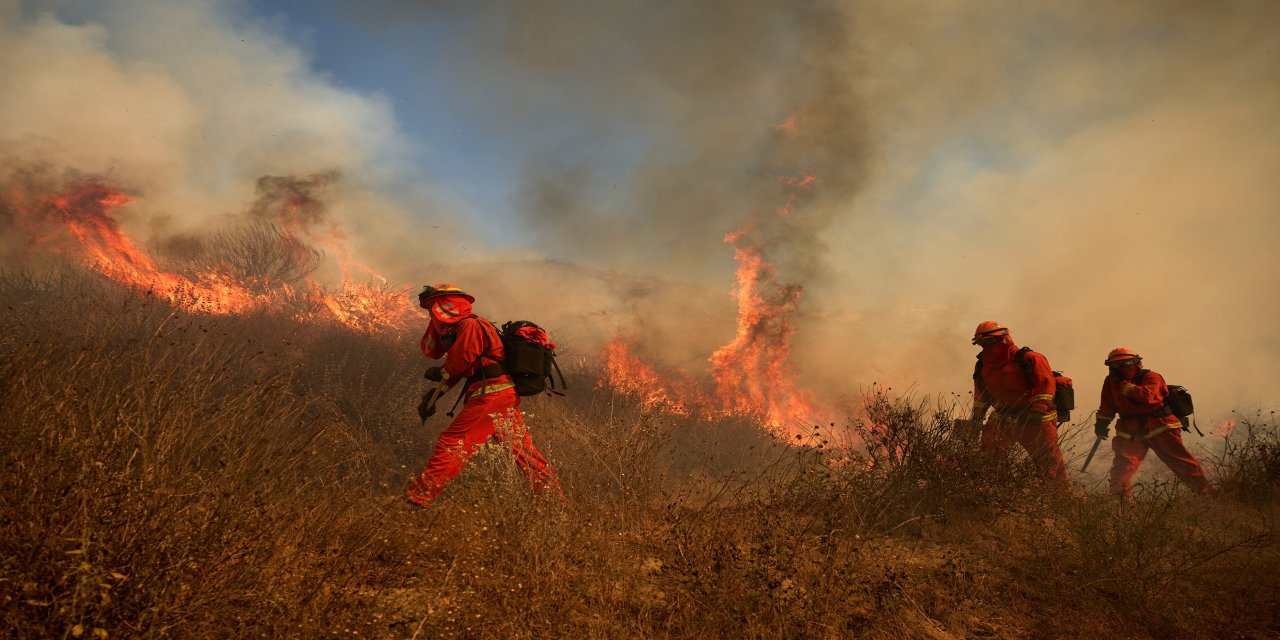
(990, 337)
(427, 292)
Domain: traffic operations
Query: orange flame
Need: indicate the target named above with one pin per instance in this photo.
(368, 307)
(753, 373)
(629, 375)
(362, 306)
(803, 181)
(80, 221)
(85, 213)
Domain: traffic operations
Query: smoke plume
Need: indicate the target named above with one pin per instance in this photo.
(189, 105)
(1092, 174)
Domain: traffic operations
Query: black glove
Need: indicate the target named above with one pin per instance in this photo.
(1102, 429)
(426, 408)
(434, 374)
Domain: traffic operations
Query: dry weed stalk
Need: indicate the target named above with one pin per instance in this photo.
(171, 475)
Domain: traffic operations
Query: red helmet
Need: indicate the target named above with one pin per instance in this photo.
(989, 329)
(429, 292)
(1121, 356)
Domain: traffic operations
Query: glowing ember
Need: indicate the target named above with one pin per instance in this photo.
(803, 181)
(1225, 428)
(791, 124)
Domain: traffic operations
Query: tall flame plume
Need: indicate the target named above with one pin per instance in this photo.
(753, 374)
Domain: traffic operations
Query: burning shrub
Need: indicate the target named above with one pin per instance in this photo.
(258, 254)
(260, 266)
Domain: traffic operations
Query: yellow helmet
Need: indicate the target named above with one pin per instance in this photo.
(429, 292)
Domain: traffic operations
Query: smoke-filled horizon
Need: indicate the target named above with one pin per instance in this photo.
(1090, 174)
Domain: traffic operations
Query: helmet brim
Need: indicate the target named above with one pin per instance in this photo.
(429, 293)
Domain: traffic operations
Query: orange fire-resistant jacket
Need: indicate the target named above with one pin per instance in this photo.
(1136, 404)
(1015, 393)
(466, 341)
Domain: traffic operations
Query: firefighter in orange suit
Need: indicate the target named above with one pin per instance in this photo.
(1146, 422)
(1017, 386)
(472, 352)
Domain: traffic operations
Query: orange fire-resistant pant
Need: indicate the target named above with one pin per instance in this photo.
(1168, 447)
(1039, 439)
(483, 416)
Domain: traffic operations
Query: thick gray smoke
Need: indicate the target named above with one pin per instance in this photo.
(656, 129)
(187, 105)
(1092, 173)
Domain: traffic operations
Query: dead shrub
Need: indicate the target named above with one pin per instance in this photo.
(1248, 467)
(915, 462)
(1137, 551)
(156, 467)
(165, 474)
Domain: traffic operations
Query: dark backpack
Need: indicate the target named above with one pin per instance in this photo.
(1179, 403)
(529, 362)
(1064, 394)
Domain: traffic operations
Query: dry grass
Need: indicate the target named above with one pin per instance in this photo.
(166, 475)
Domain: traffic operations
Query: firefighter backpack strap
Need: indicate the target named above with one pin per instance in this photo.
(563, 384)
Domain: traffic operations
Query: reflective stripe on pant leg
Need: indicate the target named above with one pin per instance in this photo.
(511, 429)
(457, 444)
